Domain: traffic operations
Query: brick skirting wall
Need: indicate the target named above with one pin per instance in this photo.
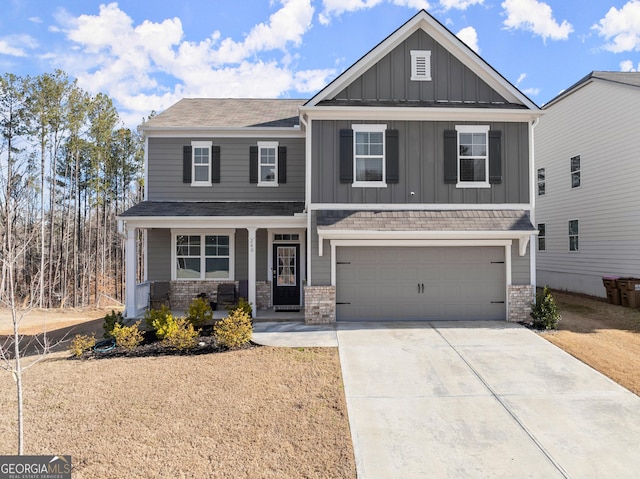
(183, 292)
(520, 299)
(319, 304)
(263, 294)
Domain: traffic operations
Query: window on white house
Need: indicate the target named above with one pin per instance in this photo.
(575, 171)
(201, 256)
(542, 237)
(573, 235)
(369, 155)
(201, 163)
(268, 163)
(420, 65)
(473, 158)
(542, 187)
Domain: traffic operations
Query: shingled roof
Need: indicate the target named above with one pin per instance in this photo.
(213, 208)
(463, 220)
(227, 113)
(623, 78)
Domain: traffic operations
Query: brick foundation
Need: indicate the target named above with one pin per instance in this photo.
(263, 294)
(520, 299)
(183, 292)
(319, 304)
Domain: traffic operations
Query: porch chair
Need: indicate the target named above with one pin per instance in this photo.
(227, 295)
(159, 294)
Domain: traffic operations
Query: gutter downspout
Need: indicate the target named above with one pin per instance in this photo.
(532, 197)
(306, 122)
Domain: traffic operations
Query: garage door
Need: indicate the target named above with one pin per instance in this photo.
(379, 283)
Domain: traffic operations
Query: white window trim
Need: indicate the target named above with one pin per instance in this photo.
(261, 145)
(473, 129)
(370, 128)
(544, 181)
(570, 235)
(540, 236)
(579, 172)
(200, 144)
(202, 233)
(415, 55)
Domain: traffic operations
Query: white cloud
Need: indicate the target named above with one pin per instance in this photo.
(536, 17)
(35, 19)
(17, 45)
(151, 65)
(459, 4)
(470, 37)
(531, 91)
(521, 78)
(335, 8)
(622, 27)
(628, 66)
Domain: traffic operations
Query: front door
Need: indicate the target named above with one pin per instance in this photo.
(286, 274)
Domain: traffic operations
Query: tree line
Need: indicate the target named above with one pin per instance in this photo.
(68, 166)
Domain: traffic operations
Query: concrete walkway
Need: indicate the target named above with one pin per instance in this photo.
(477, 400)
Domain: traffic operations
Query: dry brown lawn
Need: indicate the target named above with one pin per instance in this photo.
(254, 413)
(602, 335)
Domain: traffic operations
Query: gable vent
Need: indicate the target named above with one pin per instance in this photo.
(421, 65)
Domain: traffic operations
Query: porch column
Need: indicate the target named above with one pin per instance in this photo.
(130, 278)
(252, 270)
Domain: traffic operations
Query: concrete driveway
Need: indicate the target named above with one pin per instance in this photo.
(481, 399)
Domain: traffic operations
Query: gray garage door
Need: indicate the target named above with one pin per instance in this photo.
(379, 283)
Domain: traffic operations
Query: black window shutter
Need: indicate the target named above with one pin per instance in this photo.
(282, 164)
(253, 164)
(215, 164)
(393, 156)
(346, 156)
(186, 164)
(450, 156)
(495, 156)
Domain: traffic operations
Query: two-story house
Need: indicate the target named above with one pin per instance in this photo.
(402, 190)
(587, 205)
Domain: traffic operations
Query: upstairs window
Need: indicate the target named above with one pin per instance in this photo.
(542, 237)
(369, 155)
(574, 231)
(541, 182)
(575, 171)
(473, 158)
(268, 163)
(420, 65)
(201, 163)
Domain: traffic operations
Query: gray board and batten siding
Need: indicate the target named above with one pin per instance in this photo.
(389, 80)
(165, 172)
(421, 166)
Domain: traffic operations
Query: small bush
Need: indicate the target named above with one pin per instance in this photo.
(180, 334)
(234, 330)
(199, 312)
(156, 319)
(242, 305)
(81, 343)
(110, 320)
(544, 311)
(128, 337)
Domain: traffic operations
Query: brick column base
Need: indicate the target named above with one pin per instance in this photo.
(319, 304)
(263, 294)
(520, 299)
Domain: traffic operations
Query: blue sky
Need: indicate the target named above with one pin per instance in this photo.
(147, 55)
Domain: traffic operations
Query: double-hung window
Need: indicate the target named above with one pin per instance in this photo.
(542, 187)
(473, 157)
(575, 171)
(268, 163)
(573, 235)
(369, 155)
(542, 237)
(203, 256)
(201, 163)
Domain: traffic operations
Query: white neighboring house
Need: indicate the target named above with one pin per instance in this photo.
(587, 148)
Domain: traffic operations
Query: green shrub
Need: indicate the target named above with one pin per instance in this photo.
(156, 318)
(110, 320)
(234, 330)
(81, 343)
(242, 305)
(180, 334)
(199, 312)
(128, 337)
(544, 311)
